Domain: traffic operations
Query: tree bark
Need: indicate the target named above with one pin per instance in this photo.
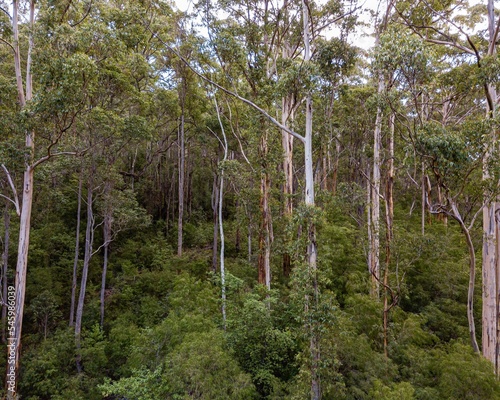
(77, 252)
(221, 226)
(215, 209)
(490, 257)
(5, 264)
(27, 202)
(287, 144)
(309, 202)
(389, 218)
(21, 269)
(89, 240)
(182, 159)
(472, 276)
(374, 257)
(264, 265)
(108, 221)
(424, 199)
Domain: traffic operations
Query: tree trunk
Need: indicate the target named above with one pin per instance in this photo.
(5, 264)
(89, 240)
(21, 269)
(374, 257)
(264, 265)
(309, 202)
(215, 209)
(108, 220)
(490, 258)
(77, 252)
(222, 249)
(472, 277)
(287, 144)
(389, 218)
(182, 155)
(27, 202)
(424, 199)
(221, 227)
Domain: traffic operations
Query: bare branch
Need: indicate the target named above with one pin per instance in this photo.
(14, 191)
(8, 44)
(6, 12)
(49, 156)
(231, 93)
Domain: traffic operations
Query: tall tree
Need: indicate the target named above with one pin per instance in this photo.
(435, 26)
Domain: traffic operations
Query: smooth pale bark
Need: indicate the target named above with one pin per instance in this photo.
(491, 259)
(22, 265)
(389, 218)
(309, 201)
(237, 240)
(221, 227)
(472, 275)
(89, 240)
(222, 249)
(264, 264)
(5, 264)
(287, 116)
(77, 253)
(287, 144)
(27, 192)
(107, 226)
(374, 256)
(215, 209)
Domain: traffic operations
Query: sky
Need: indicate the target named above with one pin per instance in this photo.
(362, 38)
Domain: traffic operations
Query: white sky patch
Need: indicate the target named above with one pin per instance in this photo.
(363, 37)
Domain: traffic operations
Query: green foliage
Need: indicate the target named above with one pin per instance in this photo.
(262, 348)
(45, 310)
(107, 89)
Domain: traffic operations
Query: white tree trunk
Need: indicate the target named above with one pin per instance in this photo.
(77, 253)
(490, 256)
(215, 209)
(221, 227)
(27, 201)
(374, 256)
(108, 221)
(89, 240)
(5, 266)
(309, 201)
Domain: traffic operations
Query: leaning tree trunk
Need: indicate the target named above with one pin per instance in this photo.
(215, 209)
(77, 252)
(89, 240)
(108, 220)
(472, 275)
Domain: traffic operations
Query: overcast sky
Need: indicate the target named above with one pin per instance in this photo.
(362, 39)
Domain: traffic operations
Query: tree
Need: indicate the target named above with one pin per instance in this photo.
(481, 51)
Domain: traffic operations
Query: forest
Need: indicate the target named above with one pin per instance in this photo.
(240, 200)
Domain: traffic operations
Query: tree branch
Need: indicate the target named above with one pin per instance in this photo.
(231, 93)
(14, 191)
